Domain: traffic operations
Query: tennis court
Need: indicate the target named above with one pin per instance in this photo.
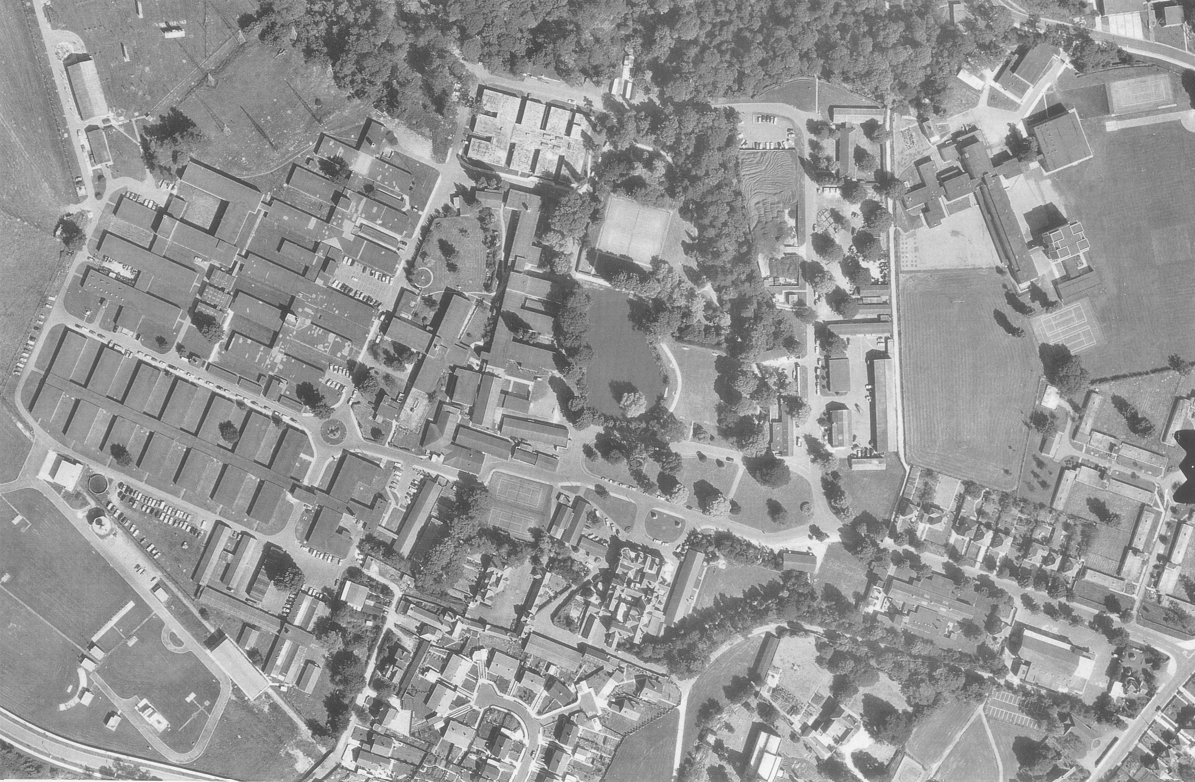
(521, 492)
(1073, 325)
(1140, 94)
(633, 231)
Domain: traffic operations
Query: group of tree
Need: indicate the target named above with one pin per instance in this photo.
(282, 570)
(441, 566)
(313, 400)
(69, 231)
(168, 143)
(1063, 370)
(207, 326)
(1138, 424)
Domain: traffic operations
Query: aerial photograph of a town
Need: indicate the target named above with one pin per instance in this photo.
(597, 390)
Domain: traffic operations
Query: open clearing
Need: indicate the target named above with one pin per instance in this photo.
(697, 404)
(933, 734)
(622, 359)
(632, 230)
(1108, 544)
(262, 724)
(875, 491)
(753, 498)
(771, 184)
(1137, 206)
(647, 753)
(967, 384)
(16, 448)
(28, 261)
(843, 571)
(731, 581)
(36, 172)
(972, 760)
(1007, 736)
(664, 527)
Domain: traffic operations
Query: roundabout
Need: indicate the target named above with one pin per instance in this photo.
(333, 432)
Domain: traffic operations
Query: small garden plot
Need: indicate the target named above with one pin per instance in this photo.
(973, 759)
(455, 254)
(732, 581)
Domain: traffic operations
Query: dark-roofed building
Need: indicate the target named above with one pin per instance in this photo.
(329, 533)
(418, 513)
(1024, 70)
(765, 657)
(536, 431)
(484, 442)
(800, 561)
(838, 375)
(568, 522)
(1062, 141)
(840, 428)
(684, 587)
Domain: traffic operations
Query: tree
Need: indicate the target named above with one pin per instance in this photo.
(1010, 328)
(168, 143)
(776, 511)
(1180, 364)
(715, 504)
(633, 404)
(1137, 423)
(70, 233)
(207, 326)
(229, 432)
(1042, 422)
(769, 470)
(1063, 370)
(869, 765)
(336, 169)
(282, 570)
(865, 161)
(313, 399)
(876, 217)
(572, 215)
(121, 454)
(854, 191)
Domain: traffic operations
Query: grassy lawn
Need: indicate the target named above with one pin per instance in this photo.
(703, 475)
(876, 491)
(972, 760)
(736, 662)
(512, 596)
(843, 571)
(1008, 736)
(454, 253)
(1153, 396)
(28, 259)
(620, 510)
(126, 154)
(732, 581)
(147, 669)
(16, 448)
(1039, 475)
(753, 498)
(622, 359)
(1137, 208)
(1108, 545)
(280, 750)
(646, 754)
(967, 384)
(934, 734)
(698, 375)
(664, 527)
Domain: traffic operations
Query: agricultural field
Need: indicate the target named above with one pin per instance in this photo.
(731, 581)
(646, 754)
(632, 366)
(968, 385)
(771, 183)
(454, 253)
(1138, 209)
(933, 735)
(875, 492)
(973, 759)
(842, 571)
(37, 168)
(29, 258)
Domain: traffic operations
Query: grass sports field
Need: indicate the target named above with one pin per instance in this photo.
(633, 230)
(646, 754)
(57, 594)
(973, 759)
(631, 365)
(771, 184)
(967, 384)
(1138, 208)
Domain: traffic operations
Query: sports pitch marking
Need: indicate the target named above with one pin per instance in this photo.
(633, 230)
(1073, 325)
(520, 492)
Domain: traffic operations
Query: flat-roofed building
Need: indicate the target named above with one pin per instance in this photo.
(1062, 142)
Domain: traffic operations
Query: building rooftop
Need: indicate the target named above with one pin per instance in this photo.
(1062, 141)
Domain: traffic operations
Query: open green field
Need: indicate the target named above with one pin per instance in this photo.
(1107, 547)
(973, 759)
(281, 751)
(967, 384)
(733, 581)
(622, 359)
(647, 753)
(735, 662)
(753, 497)
(1039, 475)
(454, 252)
(1138, 208)
(620, 510)
(703, 476)
(698, 372)
(843, 571)
(16, 448)
(126, 153)
(933, 734)
(28, 262)
(1007, 736)
(147, 669)
(875, 491)
(1153, 396)
(37, 168)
